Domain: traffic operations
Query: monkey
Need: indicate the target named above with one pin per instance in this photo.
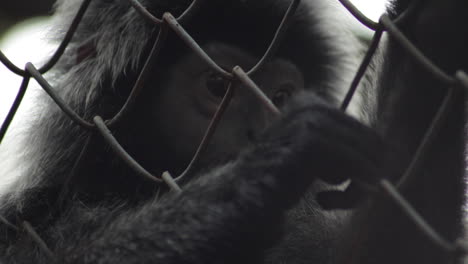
(257, 194)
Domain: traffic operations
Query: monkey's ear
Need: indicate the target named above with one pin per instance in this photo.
(85, 51)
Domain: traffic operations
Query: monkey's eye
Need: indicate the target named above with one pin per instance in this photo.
(280, 97)
(216, 85)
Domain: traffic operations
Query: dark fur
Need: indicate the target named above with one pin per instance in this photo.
(235, 212)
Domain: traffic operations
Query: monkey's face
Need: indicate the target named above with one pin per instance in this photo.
(192, 93)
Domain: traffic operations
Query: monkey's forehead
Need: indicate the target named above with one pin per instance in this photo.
(252, 24)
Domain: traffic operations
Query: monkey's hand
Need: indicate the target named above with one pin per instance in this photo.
(315, 140)
(235, 210)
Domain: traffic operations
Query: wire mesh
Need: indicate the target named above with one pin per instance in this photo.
(169, 22)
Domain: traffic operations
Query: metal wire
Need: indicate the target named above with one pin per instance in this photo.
(193, 45)
(244, 78)
(423, 61)
(40, 242)
(427, 140)
(8, 224)
(168, 21)
(142, 78)
(167, 178)
(59, 101)
(14, 107)
(362, 68)
(359, 15)
(281, 31)
(58, 52)
(72, 174)
(412, 214)
(120, 151)
(186, 15)
(210, 131)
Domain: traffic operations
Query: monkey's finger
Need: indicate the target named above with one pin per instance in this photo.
(347, 199)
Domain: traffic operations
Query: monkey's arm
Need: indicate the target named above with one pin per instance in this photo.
(230, 214)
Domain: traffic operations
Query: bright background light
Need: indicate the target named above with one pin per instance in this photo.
(371, 8)
(23, 43)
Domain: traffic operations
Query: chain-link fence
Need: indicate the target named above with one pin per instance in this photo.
(237, 74)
